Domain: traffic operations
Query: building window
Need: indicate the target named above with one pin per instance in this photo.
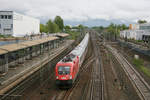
(0, 26)
(11, 26)
(9, 16)
(7, 30)
(2, 16)
(5, 16)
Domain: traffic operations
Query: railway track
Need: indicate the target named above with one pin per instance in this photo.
(141, 86)
(97, 83)
(67, 95)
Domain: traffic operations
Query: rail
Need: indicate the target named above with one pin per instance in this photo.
(97, 88)
(141, 86)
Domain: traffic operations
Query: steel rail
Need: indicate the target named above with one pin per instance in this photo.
(141, 86)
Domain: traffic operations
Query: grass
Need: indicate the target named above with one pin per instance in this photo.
(140, 65)
(138, 62)
(146, 71)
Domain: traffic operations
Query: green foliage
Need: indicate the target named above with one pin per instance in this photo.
(140, 65)
(138, 41)
(59, 21)
(138, 62)
(80, 27)
(52, 27)
(43, 28)
(98, 28)
(67, 28)
(6, 36)
(142, 21)
(56, 28)
(74, 35)
(145, 70)
(123, 27)
(113, 30)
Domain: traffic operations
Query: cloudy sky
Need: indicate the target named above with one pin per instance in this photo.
(81, 10)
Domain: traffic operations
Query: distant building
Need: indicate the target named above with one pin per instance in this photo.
(134, 34)
(15, 24)
(134, 26)
(136, 31)
(145, 26)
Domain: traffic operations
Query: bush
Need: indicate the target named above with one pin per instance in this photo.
(140, 64)
(145, 71)
(73, 35)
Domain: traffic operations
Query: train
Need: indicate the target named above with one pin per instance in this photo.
(67, 69)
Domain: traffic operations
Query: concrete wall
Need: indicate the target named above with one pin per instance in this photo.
(24, 25)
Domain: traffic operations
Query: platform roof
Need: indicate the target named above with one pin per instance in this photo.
(12, 47)
(46, 39)
(16, 46)
(30, 43)
(3, 51)
(62, 34)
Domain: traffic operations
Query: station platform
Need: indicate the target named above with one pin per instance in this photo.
(22, 71)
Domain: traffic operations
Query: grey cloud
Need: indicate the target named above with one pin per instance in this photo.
(81, 10)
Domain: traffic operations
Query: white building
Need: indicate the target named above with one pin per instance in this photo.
(134, 34)
(12, 23)
(137, 31)
(145, 26)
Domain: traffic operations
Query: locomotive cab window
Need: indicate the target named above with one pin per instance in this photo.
(63, 70)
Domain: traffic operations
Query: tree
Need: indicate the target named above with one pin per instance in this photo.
(59, 21)
(111, 28)
(67, 28)
(52, 27)
(124, 27)
(49, 26)
(43, 28)
(112, 31)
(98, 28)
(80, 27)
(56, 28)
(142, 21)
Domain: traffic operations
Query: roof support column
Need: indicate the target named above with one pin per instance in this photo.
(6, 64)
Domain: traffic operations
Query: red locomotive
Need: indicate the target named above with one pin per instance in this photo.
(67, 69)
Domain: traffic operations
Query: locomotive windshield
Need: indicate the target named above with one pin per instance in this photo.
(63, 70)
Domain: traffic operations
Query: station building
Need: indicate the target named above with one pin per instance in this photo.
(18, 25)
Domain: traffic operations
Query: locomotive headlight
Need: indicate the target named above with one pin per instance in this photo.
(56, 77)
(70, 77)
